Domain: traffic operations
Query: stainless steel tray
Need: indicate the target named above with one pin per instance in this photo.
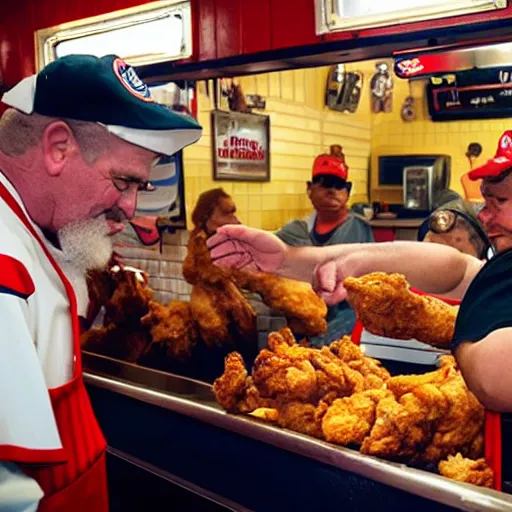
(195, 399)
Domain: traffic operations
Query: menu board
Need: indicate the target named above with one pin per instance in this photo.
(474, 94)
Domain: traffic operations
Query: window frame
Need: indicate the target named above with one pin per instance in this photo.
(328, 18)
(47, 39)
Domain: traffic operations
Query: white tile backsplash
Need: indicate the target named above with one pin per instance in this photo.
(165, 268)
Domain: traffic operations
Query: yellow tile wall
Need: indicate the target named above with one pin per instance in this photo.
(301, 128)
(390, 132)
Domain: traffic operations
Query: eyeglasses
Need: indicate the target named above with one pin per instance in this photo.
(328, 181)
(123, 183)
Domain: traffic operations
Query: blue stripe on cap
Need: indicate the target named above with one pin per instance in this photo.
(165, 182)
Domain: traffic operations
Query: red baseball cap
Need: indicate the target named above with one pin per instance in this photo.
(500, 163)
(327, 164)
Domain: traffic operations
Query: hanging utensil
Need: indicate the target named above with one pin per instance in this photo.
(408, 111)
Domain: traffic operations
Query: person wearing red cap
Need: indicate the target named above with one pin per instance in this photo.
(331, 223)
(482, 343)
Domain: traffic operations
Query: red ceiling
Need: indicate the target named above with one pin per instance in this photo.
(222, 28)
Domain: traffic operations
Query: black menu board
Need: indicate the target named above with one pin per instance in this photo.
(474, 94)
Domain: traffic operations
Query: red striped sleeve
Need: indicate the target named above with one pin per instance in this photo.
(14, 278)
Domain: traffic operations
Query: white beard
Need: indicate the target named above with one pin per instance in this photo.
(85, 245)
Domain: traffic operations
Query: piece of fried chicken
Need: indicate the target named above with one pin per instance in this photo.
(284, 378)
(374, 374)
(211, 320)
(198, 266)
(475, 472)
(402, 384)
(296, 300)
(404, 427)
(173, 326)
(301, 417)
(223, 314)
(461, 424)
(124, 343)
(437, 407)
(124, 293)
(234, 389)
(349, 420)
(230, 387)
(386, 307)
(130, 300)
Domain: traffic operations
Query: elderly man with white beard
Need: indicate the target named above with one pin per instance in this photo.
(76, 146)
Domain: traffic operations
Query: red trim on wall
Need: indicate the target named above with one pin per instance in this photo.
(293, 23)
(205, 25)
(228, 27)
(255, 19)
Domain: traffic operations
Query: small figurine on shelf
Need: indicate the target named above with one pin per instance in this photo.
(381, 87)
(235, 96)
(337, 151)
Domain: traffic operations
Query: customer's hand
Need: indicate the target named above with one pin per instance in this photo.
(328, 281)
(238, 246)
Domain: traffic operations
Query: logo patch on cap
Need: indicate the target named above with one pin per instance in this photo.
(131, 82)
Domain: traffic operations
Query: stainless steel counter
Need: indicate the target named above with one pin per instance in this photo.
(196, 400)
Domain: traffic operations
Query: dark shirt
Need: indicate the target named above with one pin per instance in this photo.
(322, 239)
(486, 307)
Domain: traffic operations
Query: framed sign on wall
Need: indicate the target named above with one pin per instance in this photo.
(241, 146)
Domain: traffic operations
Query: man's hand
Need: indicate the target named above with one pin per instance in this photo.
(239, 247)
(328, 282)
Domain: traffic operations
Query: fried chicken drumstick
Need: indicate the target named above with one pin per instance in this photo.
(386, 307)
(296, 300)
(224, 316)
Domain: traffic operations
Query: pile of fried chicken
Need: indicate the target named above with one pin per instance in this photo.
(138, 329)
(338, 394)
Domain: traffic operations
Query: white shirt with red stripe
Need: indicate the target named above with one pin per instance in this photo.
(36, 353)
